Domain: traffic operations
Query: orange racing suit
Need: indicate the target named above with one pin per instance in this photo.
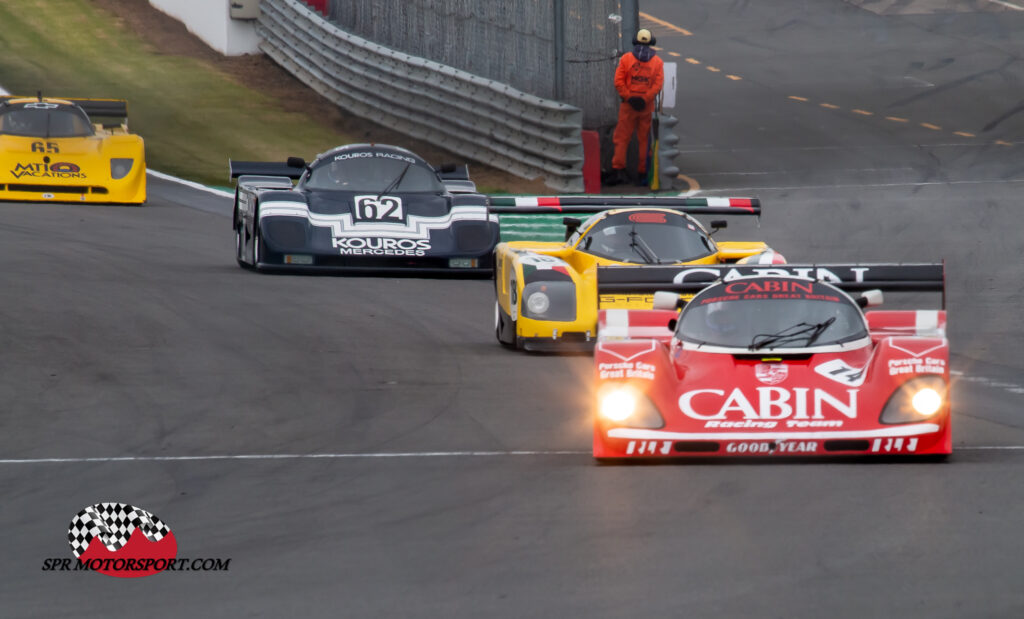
(634, 78)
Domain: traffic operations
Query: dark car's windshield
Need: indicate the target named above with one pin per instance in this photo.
(766, 313)
(647, 237)
(374, 171)
(45, 120)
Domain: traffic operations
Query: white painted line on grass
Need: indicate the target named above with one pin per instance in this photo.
(323, 456)
(192, 184)
(1008, 5)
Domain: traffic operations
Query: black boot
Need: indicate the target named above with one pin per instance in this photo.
(615, 177)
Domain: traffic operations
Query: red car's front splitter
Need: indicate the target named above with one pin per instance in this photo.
(917, 439)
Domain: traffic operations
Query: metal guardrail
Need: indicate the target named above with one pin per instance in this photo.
(565, 50)
(475, 117)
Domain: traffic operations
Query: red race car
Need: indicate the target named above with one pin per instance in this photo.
(771, 361)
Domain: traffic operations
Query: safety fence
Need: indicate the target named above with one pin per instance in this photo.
(565, 50)
(478, 118)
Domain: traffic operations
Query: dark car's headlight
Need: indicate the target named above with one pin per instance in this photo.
(285, 232)
(549, 300)
(625, 406)
(918, 399)
(474, 237)
(119, 168)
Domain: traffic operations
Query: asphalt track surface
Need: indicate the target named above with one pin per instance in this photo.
(139, 364)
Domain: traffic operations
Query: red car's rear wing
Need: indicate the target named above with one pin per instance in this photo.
(909, 277)
(526, 205)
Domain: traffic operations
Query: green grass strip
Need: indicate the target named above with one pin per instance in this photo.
(192, 116)
(532, 227)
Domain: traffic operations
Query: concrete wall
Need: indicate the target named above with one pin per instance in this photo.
(210, 21)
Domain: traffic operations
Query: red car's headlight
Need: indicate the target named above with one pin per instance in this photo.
(917, 399)
(625, 406)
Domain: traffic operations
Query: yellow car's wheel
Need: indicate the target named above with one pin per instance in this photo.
(504, 327)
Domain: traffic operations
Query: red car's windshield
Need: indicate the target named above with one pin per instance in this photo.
(765, 313)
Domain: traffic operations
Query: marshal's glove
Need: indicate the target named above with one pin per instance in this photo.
(637, 103)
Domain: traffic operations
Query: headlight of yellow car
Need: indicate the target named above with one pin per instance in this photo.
(550, 300)
(538, 303)
(626, 406)
(119, 168)
(918, 399)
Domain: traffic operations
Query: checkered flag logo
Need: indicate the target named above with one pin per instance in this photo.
(113, 524)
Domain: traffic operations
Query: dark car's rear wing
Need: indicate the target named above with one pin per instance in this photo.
(453, 172)
(287, 169)
(455, 177)
(525, 205)
(851, 277)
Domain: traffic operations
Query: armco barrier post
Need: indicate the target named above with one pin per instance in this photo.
(591, 162)
(668, 150)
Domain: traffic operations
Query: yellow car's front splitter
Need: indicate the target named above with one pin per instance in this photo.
(130, 190)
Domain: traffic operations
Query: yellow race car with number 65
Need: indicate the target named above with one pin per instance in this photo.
(547, 297)
(58, 150)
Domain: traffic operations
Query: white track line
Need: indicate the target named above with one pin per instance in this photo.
(193, 185)
(755, 173)
(1013, 388)
(324, 456)
(990, 448)
(740, 190)
(366, 456)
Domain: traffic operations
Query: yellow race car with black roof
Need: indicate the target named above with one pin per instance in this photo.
(547, 297)
(69, 150)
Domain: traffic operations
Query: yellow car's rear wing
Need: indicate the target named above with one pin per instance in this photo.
(103, 108)
(594, 203)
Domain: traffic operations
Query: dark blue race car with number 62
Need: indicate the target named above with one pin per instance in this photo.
(361, 207)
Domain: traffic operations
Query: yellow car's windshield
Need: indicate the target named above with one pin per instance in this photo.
(44, 120)
(647, 237)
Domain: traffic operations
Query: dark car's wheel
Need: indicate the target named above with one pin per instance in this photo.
(504, 327)
(257, 246)
(240, 246)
